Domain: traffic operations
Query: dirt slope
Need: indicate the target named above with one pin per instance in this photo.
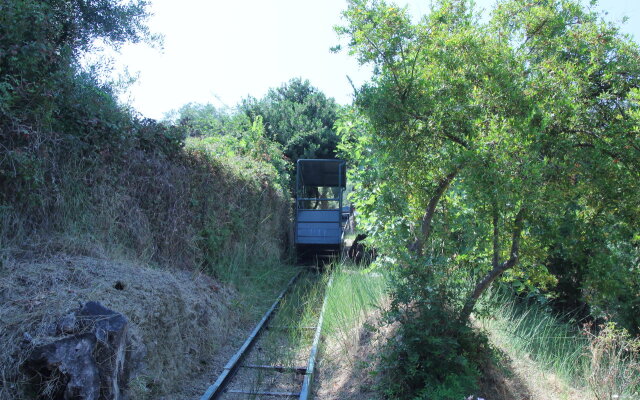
(181, 323)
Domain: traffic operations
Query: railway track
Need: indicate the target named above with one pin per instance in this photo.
(277, 360)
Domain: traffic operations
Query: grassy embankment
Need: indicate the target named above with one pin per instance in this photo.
(538, 355)
(188, 245)
(552, 358)
(353, 333)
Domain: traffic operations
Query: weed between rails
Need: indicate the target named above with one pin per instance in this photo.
(354, 295)
(285, 343)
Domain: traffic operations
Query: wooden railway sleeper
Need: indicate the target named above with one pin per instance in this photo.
(278, 368)
(275, 394)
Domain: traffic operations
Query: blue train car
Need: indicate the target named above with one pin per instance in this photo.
(319, 223)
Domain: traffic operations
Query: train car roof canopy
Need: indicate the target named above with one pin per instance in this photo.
(322, 172)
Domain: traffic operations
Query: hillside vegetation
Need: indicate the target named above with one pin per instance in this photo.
(77, 163)
(496, 151)
(493, 155)
(99, 204)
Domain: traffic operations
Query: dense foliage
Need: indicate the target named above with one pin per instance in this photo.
(226, 133)
(431, 355)
(507, 149)
(76, 162)
(83, 177)
(293, 121)
(51, 109)
(299, 117)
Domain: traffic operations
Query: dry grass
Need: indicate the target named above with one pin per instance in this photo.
(614, 363)
(179, 235)
(178, 320)
(348, 372)
(189, 212)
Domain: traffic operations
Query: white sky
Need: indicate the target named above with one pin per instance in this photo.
(220, 51)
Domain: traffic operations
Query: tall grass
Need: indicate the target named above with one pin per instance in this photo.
(556, 344)
(257, 282)
(353, 295)
(532, 331)
(614, 364)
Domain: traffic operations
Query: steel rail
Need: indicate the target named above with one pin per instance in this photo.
(217, 388)
(308, 377)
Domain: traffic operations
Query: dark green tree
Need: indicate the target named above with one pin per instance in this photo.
(299, 117)
(51, 108)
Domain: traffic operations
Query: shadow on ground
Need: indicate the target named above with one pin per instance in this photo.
(348, 372)
(501, 382)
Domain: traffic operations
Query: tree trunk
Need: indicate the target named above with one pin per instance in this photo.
(497, 269)
(496, 237)
(418, 245)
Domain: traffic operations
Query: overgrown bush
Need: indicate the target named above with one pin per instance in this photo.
(51, 109)
(614, 363)
(433, 356)
(81, 172)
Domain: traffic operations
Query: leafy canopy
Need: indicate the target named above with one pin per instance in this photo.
(476, 142)
(487, 150)
(299, 117)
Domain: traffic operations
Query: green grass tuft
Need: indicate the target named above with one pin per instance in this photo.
(604, 362)
(353, 295)
(534, 332)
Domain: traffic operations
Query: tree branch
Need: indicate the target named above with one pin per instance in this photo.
(449, 136)
(604, 151)
(496, 237)
(426, 228)
(498, 269)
